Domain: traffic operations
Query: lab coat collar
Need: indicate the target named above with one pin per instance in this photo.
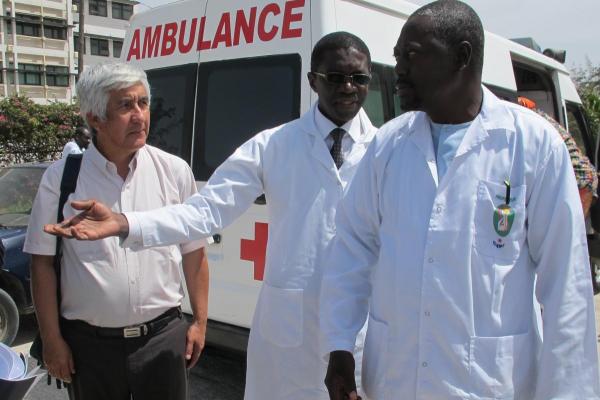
(493, 118)
(319, 149)
(325, 126)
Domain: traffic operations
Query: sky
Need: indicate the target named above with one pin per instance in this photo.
(571, 25)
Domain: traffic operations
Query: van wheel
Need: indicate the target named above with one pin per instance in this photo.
(595, 265)
(9, 318)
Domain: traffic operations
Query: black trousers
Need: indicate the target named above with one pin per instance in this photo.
(151, 367)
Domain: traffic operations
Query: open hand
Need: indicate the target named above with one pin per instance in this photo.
(58, 359)
(96, 221)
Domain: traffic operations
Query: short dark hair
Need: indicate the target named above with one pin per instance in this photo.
(80, 130)
(334, 41)
(453, 22)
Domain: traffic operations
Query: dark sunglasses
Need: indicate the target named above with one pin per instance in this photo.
(337, 78)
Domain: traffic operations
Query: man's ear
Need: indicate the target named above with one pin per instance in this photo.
(464, 55)
(311, 80)
(93, 121)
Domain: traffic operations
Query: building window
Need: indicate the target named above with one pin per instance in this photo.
(117, 46)
(27, 25)
(99, 47)
(57, 76)
(30, 74)
(55, 29)
(98, 7)
(122, 11)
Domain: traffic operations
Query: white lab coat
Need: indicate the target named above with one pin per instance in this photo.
(451, 302)
(291, 164)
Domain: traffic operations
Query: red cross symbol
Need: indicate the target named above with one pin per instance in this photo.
(256, 250)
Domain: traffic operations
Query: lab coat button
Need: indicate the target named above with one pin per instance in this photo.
(439, 209)
(430, 260)
(427, 313)
(424, 364)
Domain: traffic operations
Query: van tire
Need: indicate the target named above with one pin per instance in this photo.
(9, 318)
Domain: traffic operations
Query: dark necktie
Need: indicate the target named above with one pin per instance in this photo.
(336, 150)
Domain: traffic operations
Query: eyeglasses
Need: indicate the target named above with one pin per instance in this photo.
(337, 78)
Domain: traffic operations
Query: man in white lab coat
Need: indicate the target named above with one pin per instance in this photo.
(302, 167)
(455, 210)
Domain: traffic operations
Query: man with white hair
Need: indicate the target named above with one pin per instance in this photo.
(118, 331)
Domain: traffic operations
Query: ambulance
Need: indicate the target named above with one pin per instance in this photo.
(221, 71)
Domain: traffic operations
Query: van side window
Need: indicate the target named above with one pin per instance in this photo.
(172, 109)
(237, 99)
(536, 85)
(577, 127)
(382, 104)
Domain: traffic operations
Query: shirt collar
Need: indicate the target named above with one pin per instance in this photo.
(103, 164)
(325, 126)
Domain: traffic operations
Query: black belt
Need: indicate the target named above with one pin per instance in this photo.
(126, 332)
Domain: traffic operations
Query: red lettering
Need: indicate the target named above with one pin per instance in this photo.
(202, 44)
(223, 34)
(242, 25)
(186, 47)
(263, 34)
(151, 41)
(289, 17)
(169, 43)
(134, 48)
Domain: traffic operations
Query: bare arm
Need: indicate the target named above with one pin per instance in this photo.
(195, 269)
(57, 354)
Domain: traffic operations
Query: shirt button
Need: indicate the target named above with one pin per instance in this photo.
(132, 281)
(424, 364)
(438, 209)
(430, 260)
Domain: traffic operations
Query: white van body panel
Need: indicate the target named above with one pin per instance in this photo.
(243, 29)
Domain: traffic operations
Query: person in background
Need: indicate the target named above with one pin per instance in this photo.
(585, 172)
(118, 332)
(79, 143)
(463, 213)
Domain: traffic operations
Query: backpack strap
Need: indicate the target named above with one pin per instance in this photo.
(68, 184)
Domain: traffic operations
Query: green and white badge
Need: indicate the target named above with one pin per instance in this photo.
(504, 215)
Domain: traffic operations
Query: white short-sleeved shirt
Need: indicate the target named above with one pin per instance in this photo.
(102, 283)
(71, 148)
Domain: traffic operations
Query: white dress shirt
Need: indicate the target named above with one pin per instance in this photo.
(103, 283)
(352, 128)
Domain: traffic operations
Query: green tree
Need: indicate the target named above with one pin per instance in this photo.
(31, 132)
(588, 85)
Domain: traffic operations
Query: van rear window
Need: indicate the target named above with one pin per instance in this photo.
(237, 99)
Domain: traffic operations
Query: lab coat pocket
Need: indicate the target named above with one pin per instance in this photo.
(501, 367)
(281, 315)
(499, 234)
(375, 359)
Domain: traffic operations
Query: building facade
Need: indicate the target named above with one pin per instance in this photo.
(38, 50)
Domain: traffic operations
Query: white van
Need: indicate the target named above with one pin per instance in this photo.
(221, 71)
